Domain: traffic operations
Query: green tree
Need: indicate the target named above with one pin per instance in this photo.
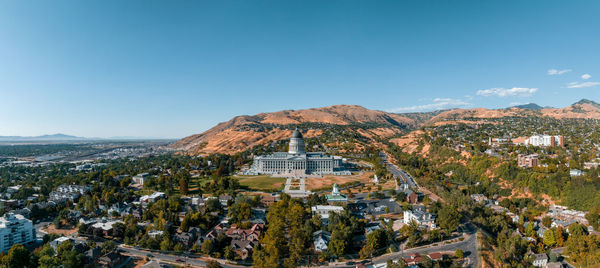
(207, 246)
(459, 254)
(549, 238)
(448, 218)
(547, 221)
(18, 256)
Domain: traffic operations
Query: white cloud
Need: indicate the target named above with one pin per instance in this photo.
(438, 104)
(558, 72)
(516, 103)
(582, 85)
(507, 92)
(586, 76)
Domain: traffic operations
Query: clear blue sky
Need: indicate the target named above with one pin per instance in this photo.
(174, 68)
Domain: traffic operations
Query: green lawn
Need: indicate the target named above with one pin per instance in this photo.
(261, 182)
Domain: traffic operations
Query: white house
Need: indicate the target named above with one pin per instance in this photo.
(321, 240)
(422, 218)
(540, 260)
(324, 211)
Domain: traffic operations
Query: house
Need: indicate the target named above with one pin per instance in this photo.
(421, 217)
(224, 199)
(411, 196)
(92, 255)
(435, 256)
(251, 234)
(575, 173)
(324, 211)
(268, 200)
(528, 160)
(113, 260)
(155, 233)
(155, 264)
(139, 179)
(242, 248)
(540, 260)
(104, 226)
(152, 198)
(321, 240)
(57, 242)
(413, 259)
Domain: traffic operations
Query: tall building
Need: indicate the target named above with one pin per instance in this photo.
(15, 229)
(545, 140)
(297, 162)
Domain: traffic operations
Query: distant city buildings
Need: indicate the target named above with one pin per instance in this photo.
(15, 229)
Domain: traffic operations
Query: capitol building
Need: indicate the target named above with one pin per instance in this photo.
(297, 162)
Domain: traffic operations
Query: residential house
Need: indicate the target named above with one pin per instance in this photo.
(540, 260)
(321, 240)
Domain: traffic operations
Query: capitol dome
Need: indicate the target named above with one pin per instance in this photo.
(296, 143)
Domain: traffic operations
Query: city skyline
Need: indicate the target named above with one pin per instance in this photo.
(168, 70)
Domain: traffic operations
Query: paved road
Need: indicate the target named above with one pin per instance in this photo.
(404, 176)
(468, 246)
(168, 258)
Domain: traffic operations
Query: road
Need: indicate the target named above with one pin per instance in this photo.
(405, 177)
(168, 258)
(468, 246)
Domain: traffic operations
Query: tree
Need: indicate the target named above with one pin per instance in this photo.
(228, 253)
(549, 238)
(213, 264)
(459, 253)
(108, 246)
(377, 239)
(366, 252)
(183, 186)
(18, 256)
(448, 218)
(547, 221)
(207, 246)
(593, 218)
(166, 244)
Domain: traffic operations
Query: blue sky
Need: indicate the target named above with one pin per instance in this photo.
(173, 68)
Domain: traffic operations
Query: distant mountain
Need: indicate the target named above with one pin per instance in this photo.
(528, 106)
(48, 137)
(588, 102)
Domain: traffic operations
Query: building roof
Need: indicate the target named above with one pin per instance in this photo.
(297, 134)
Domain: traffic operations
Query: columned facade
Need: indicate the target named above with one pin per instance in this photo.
(297, 161)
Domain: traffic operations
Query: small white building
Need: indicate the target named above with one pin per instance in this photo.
(152, 197)
(575, 173)
(140, 178)
(540, 260)
(324, 211)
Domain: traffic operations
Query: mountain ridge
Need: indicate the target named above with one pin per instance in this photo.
(370, 126)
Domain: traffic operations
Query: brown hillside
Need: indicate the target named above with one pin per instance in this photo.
(240, 133)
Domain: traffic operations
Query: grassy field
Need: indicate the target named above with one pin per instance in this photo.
(261, 182)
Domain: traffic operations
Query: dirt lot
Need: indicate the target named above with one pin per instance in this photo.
(329, 180)
(52, 230)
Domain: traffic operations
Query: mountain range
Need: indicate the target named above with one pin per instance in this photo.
(246, 131)
(50, 137)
